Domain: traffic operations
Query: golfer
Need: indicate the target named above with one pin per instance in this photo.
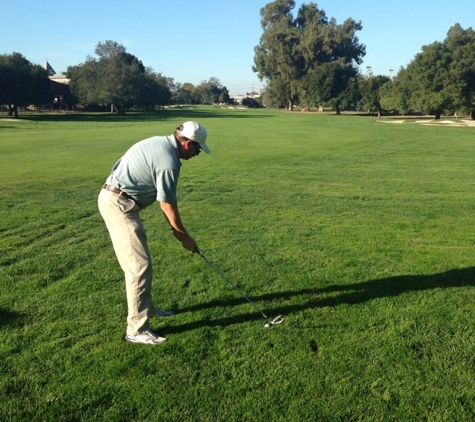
(147, 172)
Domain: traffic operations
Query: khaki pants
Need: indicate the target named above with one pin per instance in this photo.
(129, 239)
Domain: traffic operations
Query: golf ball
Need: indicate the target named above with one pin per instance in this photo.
(266, 325)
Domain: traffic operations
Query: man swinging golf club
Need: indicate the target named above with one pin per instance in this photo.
(146, 173)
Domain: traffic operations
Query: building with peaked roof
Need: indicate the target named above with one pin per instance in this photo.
(49, 69)
(53, 76)
(59, 84)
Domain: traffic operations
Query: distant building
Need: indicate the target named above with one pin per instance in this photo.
(49, 69)
(62, 79)
(238, 98)
(60, 86)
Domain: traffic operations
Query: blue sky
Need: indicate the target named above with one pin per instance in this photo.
(193, 40)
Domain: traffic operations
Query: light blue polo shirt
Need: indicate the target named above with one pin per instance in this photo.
(149, 171)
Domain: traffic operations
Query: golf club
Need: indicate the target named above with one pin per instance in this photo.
(277, 320)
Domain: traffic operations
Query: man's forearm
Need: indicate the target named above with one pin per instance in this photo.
(170, 210)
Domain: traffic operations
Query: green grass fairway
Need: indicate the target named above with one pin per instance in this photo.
(361, 233)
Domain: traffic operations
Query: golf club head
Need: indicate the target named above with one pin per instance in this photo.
(279, 319)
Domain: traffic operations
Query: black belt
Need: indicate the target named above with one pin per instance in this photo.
(117, 191)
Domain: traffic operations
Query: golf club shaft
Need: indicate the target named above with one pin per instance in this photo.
(211, 264)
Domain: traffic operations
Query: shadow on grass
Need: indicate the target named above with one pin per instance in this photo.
(333, 296)
(9, 318)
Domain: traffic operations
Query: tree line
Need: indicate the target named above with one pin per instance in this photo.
(120, 80)
(115, 80)
(308, 60)
(313, 61)
(22, 83)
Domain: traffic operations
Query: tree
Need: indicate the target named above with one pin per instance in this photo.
(331, 53)
(224, 97)
(309, 58)
(120, 75)
(153, 90)
(275, 95)
(351, 97)
(461, 84)
(163, 91)
(209, 91)
(183, 93)
(114, 79)
(370, 92)
(426, 77)
(277, 58)
(83, 81)
(441, 78)
(395, 95)
(251, 103)
(22, 83)
(327, 83)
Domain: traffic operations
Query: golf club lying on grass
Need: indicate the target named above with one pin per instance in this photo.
(277, 320)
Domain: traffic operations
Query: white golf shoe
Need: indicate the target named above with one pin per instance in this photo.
(146, 337)
(162, 314)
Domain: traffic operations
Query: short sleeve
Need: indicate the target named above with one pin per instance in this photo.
(166, 182)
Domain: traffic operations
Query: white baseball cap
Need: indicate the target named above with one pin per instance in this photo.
(195, 132)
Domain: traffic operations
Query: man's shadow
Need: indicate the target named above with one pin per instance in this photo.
(309, 298)
(332, 296)
(9, 318)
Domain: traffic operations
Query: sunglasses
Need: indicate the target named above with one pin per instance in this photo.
(197, 146)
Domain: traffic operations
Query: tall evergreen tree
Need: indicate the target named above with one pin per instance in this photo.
(277, 58)
(309, 58)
